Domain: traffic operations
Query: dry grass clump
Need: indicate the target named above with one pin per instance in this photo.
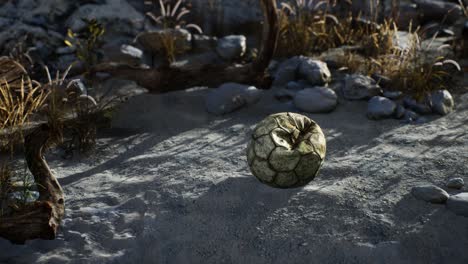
(170, 16)
(308, 26)
(411, 69)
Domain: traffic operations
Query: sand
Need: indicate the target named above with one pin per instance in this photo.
(169, 183)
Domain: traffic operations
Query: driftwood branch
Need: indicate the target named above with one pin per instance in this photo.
(175, 78)
(40, 219)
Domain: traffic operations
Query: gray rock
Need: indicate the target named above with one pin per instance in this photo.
(455, 183)
(285, 94)
(436, 10)
(117, 15)
(287, 71)
(131, 51)
(422, 108)
(203, 43)
(314, 71)
(380, 108)
(400, 112)
(65, 50)
(232, 47)
(316, 100)
(410, 116)
(442, 102)
(230, 97)
(151, 40)
(294, 86)
(430, 193)
(382, 80)
(359, 87)
(458, 204)
(394, 95)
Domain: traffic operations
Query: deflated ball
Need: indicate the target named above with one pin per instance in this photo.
(287, 150)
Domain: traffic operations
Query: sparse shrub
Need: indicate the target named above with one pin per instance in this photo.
(171, 16)
(307, 26)
(87, 42)
(411, 70)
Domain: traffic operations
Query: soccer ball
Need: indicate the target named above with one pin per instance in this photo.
(287, 150)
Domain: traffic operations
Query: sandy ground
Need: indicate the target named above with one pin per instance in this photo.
(170, 184)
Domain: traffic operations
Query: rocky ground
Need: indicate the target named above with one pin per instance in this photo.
(170, 184)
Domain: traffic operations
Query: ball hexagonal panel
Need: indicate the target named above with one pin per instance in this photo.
(286, 150)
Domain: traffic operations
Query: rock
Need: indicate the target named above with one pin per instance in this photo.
(316, 100)
(408, 15)
(359, 87)
(437, 10)
(314, 71)
(429, 193)
(287, 71)
(223, 17)
(116, 88)
(442, 102)
(118, 16)
(410, 116)
(295, 86)
(131, 51)
(232, 47)
(285, 94)
(458, 204)
(400, 112)
(455, 183)
(394, 95)
(203, 43)
(151, 40)
(380, 108)
(229, 97)
(422, 108)
(65, 50)
(382, 81)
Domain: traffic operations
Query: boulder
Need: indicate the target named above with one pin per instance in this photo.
(232, 47)
(285, 94)
(410, 116)
(295, 86)
(430, 193)
(203, 43)
(314, 71)
(316, 100)
(422, 108)
(152, 40)
(359, 87)
(400, 112)
(455, 183)
(229, 97)
(380, 108)
(442, 102)
(287, 71)
(117, 15)
(458, 204)
(437, 10)
(394, 95)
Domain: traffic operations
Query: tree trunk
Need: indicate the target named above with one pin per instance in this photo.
(40, 219)
(166, 79)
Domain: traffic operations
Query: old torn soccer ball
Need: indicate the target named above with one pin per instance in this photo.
(287, 150)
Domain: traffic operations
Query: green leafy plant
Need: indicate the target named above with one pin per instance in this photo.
(86, 42)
